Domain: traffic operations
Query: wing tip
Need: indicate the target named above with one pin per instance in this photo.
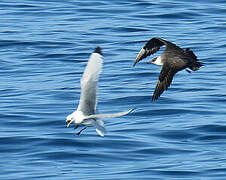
(98, 50)
(134, 64)
(132, 110)
(155, 97)
(139, 56)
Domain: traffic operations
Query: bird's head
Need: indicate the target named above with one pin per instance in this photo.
(70, 119)
(76, 117)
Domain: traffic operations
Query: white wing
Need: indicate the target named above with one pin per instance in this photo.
(97, 116)
(89, 83)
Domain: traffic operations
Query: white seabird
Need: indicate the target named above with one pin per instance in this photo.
(85, 113)
(172, 60)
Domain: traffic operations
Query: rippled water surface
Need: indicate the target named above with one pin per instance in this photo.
(44, 48)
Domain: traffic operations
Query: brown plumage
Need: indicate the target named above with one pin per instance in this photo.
(172, 60)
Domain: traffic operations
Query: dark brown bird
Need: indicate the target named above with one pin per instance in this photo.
(172, 60)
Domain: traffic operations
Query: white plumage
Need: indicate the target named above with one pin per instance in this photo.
(85, 113)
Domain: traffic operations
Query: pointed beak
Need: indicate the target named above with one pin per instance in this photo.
(69, 122)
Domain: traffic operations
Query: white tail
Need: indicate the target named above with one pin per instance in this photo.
(99, 124)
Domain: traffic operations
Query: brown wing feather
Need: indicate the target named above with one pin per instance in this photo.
(169, 69)
(164, 81)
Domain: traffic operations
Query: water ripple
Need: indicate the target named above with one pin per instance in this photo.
(44, 49)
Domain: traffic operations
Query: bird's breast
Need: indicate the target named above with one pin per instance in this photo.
(79, 117)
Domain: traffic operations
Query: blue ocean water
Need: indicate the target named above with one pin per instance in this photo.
(44, 48)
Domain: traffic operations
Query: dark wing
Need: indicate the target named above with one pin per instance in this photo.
(166, 76)
(151, 47)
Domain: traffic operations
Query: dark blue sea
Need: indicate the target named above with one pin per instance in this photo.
(44, 48)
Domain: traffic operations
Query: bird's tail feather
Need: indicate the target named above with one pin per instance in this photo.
(190, 53)
(196, 65)
(99, 124)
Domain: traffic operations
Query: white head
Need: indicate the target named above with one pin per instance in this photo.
(156, 61)
(76, 117)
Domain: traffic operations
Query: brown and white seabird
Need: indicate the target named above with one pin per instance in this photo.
(172, 60)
